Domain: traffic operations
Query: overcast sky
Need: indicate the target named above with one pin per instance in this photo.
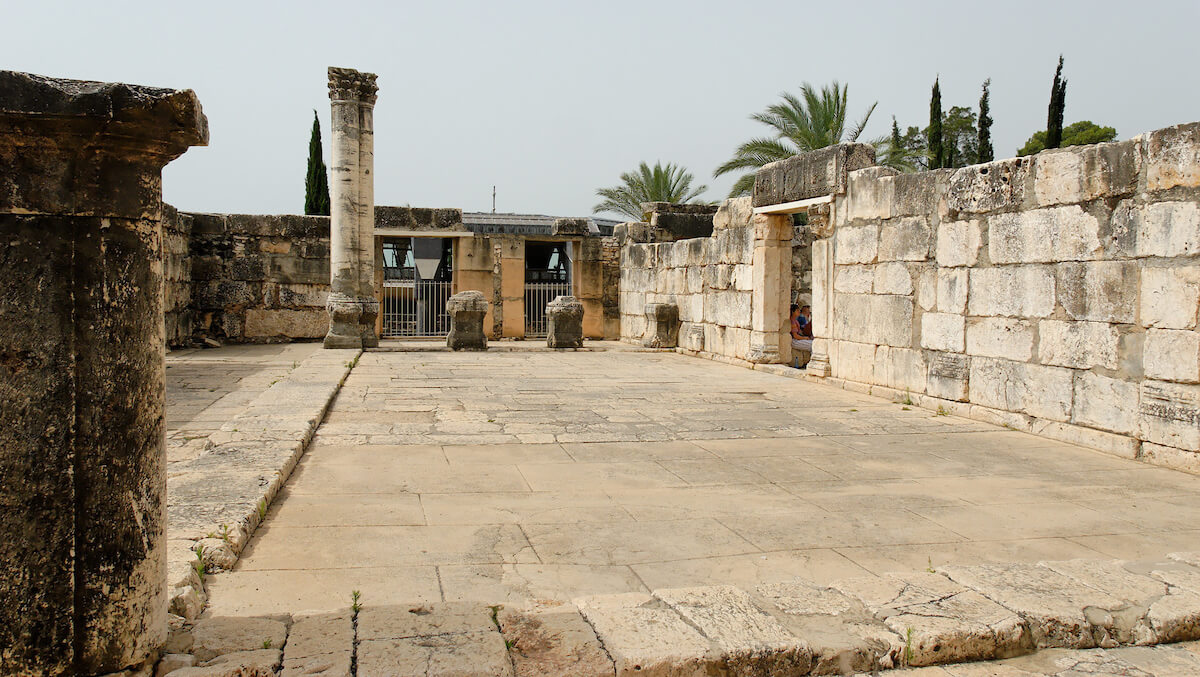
(551, 100)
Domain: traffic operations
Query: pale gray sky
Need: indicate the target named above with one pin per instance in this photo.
(551, 100)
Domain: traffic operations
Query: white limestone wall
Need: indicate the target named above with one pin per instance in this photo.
(1057, 294)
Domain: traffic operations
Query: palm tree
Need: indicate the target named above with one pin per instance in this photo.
(813, 120)
(669, 183)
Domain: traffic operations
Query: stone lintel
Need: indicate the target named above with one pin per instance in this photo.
(813, 174)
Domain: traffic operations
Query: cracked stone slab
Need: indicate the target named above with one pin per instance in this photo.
(843, 636)
(751, 641)
(212, 637)
(940, 621)
(1152, 613)
(546, 641)
(1057, 608)
(424, 620)
(479, 654)
(645, 636)
(319, 634)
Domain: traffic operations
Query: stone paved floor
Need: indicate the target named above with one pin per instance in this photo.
(512, 475)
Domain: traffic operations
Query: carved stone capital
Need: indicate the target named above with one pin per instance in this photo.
(347, 84)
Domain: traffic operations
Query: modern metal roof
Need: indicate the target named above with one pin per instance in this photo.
(526, 224)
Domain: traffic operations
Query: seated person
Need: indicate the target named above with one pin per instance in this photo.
(801, 336)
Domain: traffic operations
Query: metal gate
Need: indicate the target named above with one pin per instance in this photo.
(415, 308)
(537, 295)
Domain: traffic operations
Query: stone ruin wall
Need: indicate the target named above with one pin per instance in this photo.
(710, 279)
(245, 278)
(1056, 294)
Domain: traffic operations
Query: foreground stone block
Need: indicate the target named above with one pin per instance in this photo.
(466, 310)
(564, 317)
(434, 639)
(214, 637)
(662, 325)
(82, 585)
(320, 645)
(551, 641)
(940, 620)
(644, 636)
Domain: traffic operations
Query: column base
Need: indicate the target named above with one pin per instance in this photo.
(818, 365)
(336, 342)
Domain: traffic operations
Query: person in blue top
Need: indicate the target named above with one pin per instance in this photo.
(802, 335)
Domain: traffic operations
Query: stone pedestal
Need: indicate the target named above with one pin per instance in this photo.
(467, 310)
(662, 325)
(564, 317)
(82, 459)
(352, 305)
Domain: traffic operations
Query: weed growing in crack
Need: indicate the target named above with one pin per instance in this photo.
(198, 565)
(262, 511)
(941, 411)
(355, 598)
(907, 399)
(267, 643)
(908, 650)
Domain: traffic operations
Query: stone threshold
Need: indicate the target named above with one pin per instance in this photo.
(938, 617)
(216, 501)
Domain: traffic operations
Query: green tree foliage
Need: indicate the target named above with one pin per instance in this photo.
(937, 152)
(813, 120)
(960, 139)
(1058, 104)
(904, 152)
(669, 183)
(983, 140)
(1078, 134)
(316, 182)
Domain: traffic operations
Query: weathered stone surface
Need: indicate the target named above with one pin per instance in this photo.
(662, 325)
(1003, 337)
(1170, 457)
(1057, 608)
(1026, 388)
(1100, 291)
(553, 640)
(466, 310)
(1044, 236)
(733, 213)
(905, 239)
(336, 664)
(958, 242)
(1157, 229)
(1077, 344)
(319, 634)
(940, 621)
(214, 637)
(82, 584)
(1105, 403)
(1083, 173)
(812, 174)
(572, 227)
(854, 279)
(749, 639)
(858, 244)
(900, 368)
(1016, 291)
(1170, 414)
(927, 289)
(885, 320)
(1128, 624)
(564, 317)
(853, 361)
(893, 278)
(943, 331)
(472, 653)
(951, 291)
(948, 376)
(286, 323)
(994, 186)
(645, 636)
(1172, 355)
(1170, 297)
(1173, 157)
(172, 662)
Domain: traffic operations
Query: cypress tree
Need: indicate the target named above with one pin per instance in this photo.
(896, 142)
(986, 153)
(937, 154)
(1058, 103)
(316, 183)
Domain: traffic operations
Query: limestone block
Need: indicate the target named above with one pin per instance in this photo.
(1173, 157)
(948, 376)
(941, 621)
(854, 361)
(694, 279)
(732, 309)
(661, 325)
(989, 187)
(336, 664)
(172, 662)
(1100, 291)
(927, 289)
(644, 636)
(1170, 457)
(858, 244)
(1163, 229)
(952, 290)
(853, 279)
(900, 368)
(738, 342)
(870, 193)
(1045, 392)
(1170, 296)
(1003, 337)
(319, 634)
(750, 640)
(885, 320)
(1170, 414)
(1105, 403)
(1083, 173)
(733, 213)
(214, 637)
(564, 316)
(958, 242)
(1136, 590)
(1172, 355)
(691, 336)
(1052, 604)
(552, 640)
(466, 310)
(741, 277)
(1044, 236)
(1082, 345)
(470, 653)
(1015, 291)
(812, 174)
(943, 331)
(446, 618)
(286, 323)
(905, 239)
(893, 278)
